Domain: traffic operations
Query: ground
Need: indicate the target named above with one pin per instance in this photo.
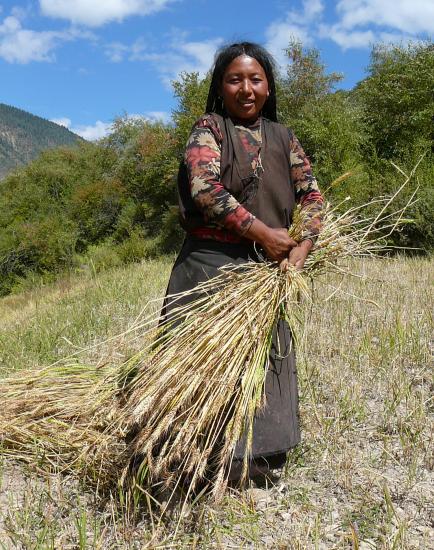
(362, 477)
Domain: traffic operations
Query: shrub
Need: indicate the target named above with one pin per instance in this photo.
(98, 257)
(96, 207)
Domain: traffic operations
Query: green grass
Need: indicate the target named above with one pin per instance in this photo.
(362, 476)
(40, 326)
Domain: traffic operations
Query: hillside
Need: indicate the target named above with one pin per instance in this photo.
(23, 136)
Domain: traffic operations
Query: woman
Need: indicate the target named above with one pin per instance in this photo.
(242, 176)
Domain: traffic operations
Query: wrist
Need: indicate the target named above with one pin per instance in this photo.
(258, 232)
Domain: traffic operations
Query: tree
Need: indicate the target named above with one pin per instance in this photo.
(191, 92)
(305, 82)
(398, 98)
(327, 123)
(332, 133)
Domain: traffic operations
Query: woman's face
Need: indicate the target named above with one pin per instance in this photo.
(244, 88)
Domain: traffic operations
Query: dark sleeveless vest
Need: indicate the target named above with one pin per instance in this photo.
(270, 197)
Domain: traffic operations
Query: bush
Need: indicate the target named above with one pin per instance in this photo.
(135, 248)
(333, 136)
(96, 207)
(36, 246)
(398, 98)
(113, 202)
(98, 257)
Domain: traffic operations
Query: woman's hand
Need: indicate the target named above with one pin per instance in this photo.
(276, 243)
(297, 256)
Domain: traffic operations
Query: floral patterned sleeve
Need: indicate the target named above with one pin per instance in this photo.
(307, 193)
(202, 158)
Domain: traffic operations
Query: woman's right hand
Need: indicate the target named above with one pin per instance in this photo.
(276, 242)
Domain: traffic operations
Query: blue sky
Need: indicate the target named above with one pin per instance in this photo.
(84, 62)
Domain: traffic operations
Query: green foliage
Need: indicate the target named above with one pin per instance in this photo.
(191, 93)
(47, 214)
(387, 117)
(384, 179)
(98, 257)
(305, 82)
(147, 165)
(96, 206)
(40, 245)
(101, 204)
(328, 124)
(333, 135)
(171, 234)
(135, 248)
(398, 98)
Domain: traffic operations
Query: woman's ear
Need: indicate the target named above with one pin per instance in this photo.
(268, 93)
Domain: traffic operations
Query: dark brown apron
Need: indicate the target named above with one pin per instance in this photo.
(276, 428)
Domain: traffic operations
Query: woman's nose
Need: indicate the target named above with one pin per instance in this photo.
(246, 86)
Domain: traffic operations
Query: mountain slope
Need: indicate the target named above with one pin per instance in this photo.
(23, 136)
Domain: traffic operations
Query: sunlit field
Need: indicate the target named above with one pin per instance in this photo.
(362, 476)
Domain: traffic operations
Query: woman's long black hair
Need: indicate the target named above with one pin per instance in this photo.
(224, 57)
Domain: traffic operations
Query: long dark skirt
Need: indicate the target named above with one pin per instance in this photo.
(276, 428)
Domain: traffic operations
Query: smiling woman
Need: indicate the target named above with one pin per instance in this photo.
(244, 88)
(242, 176)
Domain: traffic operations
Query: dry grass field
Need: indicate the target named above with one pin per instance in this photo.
(362, 477)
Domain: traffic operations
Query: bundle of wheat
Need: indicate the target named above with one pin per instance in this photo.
(59, 416)
(195, 392)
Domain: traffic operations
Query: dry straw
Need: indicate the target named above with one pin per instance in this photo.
(176, 409)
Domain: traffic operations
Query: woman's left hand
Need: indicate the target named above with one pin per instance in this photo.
(297, 256)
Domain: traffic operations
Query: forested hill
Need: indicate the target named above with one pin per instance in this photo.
(23, 136)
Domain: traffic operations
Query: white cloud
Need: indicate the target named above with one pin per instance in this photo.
(363, 22)
(186, 57)
(95, 13)
(296, 25)
(409, 16)
(92, 132)
(347, 39)
(361, 38)
(18, 45)
(116, 51)
(180, 56)
(312, 8)
(158, 116)
(100, 129)
(360, 23)
(151, 116)
(62, 121)
(280, 34)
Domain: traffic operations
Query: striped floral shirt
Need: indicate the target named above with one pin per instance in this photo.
(224, 217)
